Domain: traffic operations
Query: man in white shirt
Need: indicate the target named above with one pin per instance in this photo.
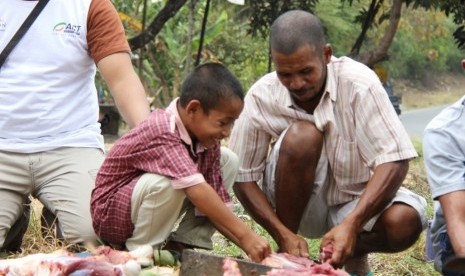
(50, 141)
(444, 156)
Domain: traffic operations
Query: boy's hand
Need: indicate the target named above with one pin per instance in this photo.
(256, 247)
(208, 202)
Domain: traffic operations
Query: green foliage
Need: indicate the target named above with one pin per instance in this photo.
(338, 19)
(232, 39)
(423, 46)
(453, 8)
(244, 55)
(168, 58)
(213, 32)
(263, 13)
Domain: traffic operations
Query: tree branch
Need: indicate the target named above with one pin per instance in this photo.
(372, 11)
(168, 11)
(381, 52)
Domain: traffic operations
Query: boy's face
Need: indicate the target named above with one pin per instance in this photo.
(210, 129)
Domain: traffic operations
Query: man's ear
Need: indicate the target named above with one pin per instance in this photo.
(193, 107)
(327, 52)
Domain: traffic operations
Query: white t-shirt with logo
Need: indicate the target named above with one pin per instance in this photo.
(48, 97)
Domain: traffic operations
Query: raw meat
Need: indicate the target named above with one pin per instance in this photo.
(284, 260)
(326, 253)
(102, 261)
(286, 264)
(231, 268)
(315, 270)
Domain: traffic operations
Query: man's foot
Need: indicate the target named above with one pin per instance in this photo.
(358, 266)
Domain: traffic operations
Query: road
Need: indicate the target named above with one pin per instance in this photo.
(416, 120)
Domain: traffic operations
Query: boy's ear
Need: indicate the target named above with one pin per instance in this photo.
(193, 107)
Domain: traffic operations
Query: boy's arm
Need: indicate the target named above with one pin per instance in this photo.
(208, 202)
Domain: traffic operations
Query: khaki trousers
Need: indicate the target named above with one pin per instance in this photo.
(156, 207)
(61, 179)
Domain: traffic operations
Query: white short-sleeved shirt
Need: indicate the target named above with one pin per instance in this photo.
(444, 155)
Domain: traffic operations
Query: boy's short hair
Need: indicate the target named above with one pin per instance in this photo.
(210, 83)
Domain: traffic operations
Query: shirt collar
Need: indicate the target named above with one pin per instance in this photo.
(331, 83)
(183, 133)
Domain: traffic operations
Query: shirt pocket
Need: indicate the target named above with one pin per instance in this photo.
(348, 168)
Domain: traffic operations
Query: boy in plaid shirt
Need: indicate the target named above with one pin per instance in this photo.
(173, 155)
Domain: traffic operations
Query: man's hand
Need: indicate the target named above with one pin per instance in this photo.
(256, 204)
(343, 239)
(294, 245)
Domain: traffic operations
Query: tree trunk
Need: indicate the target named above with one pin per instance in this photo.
(381, 52)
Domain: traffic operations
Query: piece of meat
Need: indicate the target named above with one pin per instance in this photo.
(285, 260)
(231, 268)
(102, 261)
(286, 264)
(92, 266)
(32, 264)
(316, 270)
(326, 253)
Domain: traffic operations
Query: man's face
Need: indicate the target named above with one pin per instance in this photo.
(303, 72)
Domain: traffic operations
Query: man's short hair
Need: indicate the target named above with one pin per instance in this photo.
(294, 29)
(210, 83)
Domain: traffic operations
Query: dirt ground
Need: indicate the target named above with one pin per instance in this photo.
(434, 85)
(437, 91)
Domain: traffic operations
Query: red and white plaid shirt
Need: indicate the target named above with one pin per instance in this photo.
(159, 145)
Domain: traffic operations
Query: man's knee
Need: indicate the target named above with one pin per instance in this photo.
(403, 226)
(302, 139)
(229, 167)
(229, 159)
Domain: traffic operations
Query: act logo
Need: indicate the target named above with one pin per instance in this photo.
(67, 29)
